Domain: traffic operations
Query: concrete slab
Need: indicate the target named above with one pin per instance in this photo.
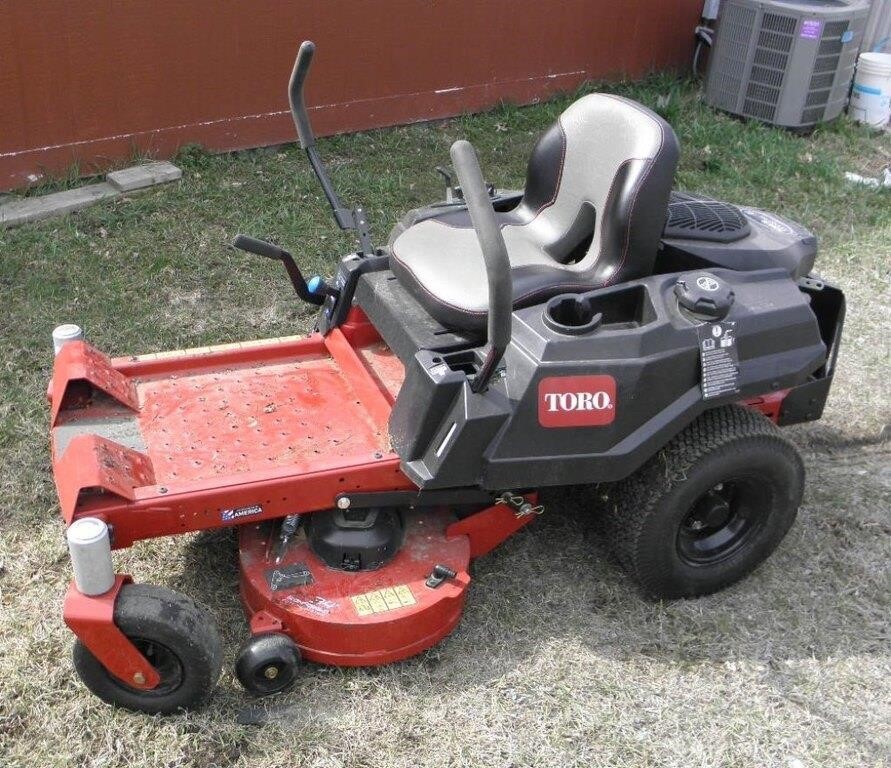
(27, 209)
(141, 176)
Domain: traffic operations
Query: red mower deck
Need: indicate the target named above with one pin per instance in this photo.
(369, 617)
(362, 618)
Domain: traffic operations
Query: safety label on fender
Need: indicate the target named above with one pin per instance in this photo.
(383, 600)
(719, 358)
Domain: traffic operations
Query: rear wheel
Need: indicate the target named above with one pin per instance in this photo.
(709, 507)
(179, 639)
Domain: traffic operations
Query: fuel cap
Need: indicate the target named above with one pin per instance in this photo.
(704, 294)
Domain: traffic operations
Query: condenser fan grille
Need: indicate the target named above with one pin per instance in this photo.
(700, 218)
(825, 68)
(766, 80)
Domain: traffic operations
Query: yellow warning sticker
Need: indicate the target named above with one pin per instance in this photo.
(383, 600)
(363, 607)
(404, 594)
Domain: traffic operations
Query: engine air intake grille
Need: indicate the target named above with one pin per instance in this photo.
(699, 218)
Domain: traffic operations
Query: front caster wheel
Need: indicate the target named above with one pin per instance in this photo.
(176, 635)
(709, 507)
(268, 663)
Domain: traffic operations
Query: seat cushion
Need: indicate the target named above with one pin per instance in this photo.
(439, 261)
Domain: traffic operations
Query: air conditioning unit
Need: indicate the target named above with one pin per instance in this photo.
(785, 62)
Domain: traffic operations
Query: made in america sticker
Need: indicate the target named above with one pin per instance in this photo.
(229, 515)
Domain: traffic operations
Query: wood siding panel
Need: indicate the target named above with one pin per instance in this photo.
(93, 81)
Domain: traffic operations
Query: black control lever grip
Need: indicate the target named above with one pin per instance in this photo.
(295, 93)
(271, 251)
(494, 251)
(258, 247)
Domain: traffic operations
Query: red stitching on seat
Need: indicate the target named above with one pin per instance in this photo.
(651, 165)
(541, 208)
(559, 175)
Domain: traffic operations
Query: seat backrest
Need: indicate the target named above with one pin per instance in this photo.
(607, 163)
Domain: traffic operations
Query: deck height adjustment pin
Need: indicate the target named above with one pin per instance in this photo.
(286, 533)
(439, 574)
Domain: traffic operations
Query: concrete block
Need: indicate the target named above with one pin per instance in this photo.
(141, 176)
(27, 209)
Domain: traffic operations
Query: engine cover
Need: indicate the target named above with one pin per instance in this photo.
(702, 233)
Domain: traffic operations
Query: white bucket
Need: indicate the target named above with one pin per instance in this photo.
(871, 96)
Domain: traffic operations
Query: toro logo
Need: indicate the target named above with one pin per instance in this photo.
(576, 401)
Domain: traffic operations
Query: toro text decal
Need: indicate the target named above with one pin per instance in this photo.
(576, 401)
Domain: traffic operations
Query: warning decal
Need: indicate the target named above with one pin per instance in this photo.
(720, 359)
(383, 600)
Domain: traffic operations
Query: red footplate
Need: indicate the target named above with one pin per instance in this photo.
(364, 618)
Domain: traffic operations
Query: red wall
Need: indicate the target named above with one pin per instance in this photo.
(93, 81)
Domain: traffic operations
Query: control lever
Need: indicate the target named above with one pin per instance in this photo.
(347, 218)
(494, 252)
(453, 192)
(314, 293)
(450, 191)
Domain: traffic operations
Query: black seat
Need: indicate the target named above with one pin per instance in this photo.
(592, 212)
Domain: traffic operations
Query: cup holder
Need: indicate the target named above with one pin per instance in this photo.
(572, 315)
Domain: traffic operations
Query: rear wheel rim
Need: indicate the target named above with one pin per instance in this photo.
(723, 520)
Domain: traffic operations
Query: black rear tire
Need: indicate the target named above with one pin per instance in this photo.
(709, 508)
(176, 635)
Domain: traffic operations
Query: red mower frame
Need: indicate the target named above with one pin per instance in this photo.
(100, 478)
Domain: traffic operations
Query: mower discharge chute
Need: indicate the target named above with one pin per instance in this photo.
(594, 328)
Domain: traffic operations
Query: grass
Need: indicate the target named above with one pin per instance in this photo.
(558, 661)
